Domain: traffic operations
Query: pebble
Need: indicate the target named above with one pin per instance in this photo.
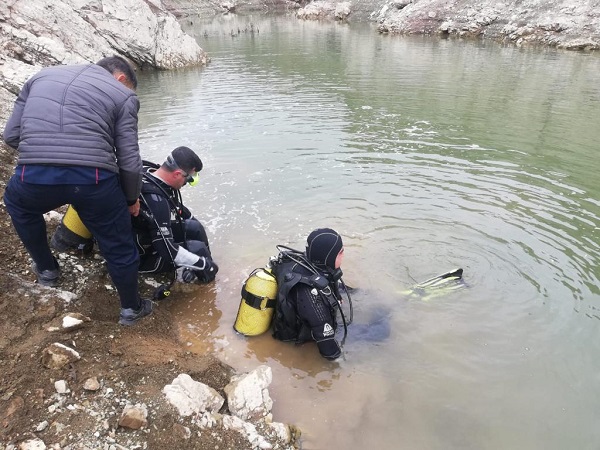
(91, 384)
(61, 386)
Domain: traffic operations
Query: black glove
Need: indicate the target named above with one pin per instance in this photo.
(205, 272)
(209, 272)
(188, 275)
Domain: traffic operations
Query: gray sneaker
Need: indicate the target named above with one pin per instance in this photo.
(47, 277)
(130, 316)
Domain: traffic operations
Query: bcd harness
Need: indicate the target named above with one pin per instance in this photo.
(153, 186)
(150, 185)
(290, 268)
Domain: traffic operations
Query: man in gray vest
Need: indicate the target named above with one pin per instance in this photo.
(76, 131)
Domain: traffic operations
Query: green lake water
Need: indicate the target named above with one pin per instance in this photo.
(426, 155)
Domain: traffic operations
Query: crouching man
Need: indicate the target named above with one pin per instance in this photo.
(168, 236)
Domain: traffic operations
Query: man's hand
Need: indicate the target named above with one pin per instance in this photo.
(134, 209)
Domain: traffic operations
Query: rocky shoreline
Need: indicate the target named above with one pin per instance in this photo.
(555, 23)
(70, 377)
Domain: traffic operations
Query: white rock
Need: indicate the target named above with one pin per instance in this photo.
(208, 420)
(73, 321)
(91, 384)
(317, 9)
(33, 31)
(61, 386)
(42, 426)
(228, 6)
(57, 355)
(190, 396)
(32, 444)
(247, 429)
(281, 430)
(52, 216)
(134, 416)
(342, 10)
(247, 395)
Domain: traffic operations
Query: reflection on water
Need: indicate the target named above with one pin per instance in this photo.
(424, 154)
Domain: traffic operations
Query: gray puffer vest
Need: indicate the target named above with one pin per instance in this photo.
(78, 115)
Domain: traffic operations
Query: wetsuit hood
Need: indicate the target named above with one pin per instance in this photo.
(323, 246)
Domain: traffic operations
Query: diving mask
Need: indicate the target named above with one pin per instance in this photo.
(192, 180)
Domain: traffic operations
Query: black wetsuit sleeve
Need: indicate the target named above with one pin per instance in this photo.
(160, 228)
(317, 316)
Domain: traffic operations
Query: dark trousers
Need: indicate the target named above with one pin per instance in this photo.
(194, 234)
(103, 210)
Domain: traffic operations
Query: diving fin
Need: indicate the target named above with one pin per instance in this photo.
(455, 274)
(437, 286)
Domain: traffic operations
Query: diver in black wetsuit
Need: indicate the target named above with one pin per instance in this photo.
(168, 236)
(308, 295)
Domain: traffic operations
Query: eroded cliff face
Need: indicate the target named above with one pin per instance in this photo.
(46, 32)
(37, 33)
(570, 24)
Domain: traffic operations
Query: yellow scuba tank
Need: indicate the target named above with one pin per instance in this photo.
(72, 233)
(259, 294)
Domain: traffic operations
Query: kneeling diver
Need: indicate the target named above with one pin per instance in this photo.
(168, 236)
